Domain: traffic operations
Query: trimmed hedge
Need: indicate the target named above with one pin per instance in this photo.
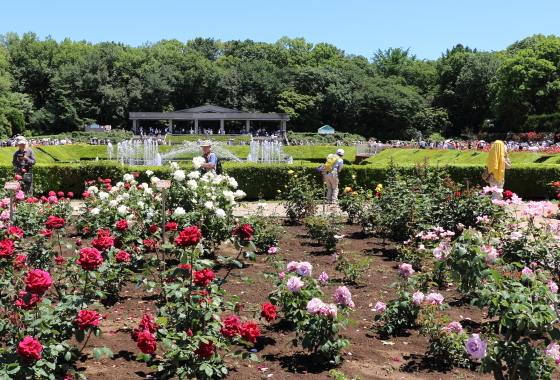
(528, 181)
(542, 123)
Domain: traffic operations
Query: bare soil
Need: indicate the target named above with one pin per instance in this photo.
(369, 355)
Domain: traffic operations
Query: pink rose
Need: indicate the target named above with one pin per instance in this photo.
(418, 298)
(380, 307)
(434, 299)
(294, 284)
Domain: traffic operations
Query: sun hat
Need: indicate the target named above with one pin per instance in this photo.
(22, 141)
(340, 152)
(206, 143)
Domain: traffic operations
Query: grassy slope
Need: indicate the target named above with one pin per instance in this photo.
(453, 157)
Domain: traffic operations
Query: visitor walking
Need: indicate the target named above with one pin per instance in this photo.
(23, 161)
(496, 165)
(333, 166)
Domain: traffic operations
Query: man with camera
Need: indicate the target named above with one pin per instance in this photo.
(23, 161)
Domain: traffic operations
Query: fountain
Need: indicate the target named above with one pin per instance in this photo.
(138, 153)
(110, 151)
(268, 152)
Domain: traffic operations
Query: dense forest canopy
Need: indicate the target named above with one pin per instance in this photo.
(50, 87)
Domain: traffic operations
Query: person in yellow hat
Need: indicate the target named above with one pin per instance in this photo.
(496, 165)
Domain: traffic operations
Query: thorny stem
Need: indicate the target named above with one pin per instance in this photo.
(84, 346)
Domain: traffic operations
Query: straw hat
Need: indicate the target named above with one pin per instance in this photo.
(22, 141)
(206, 143)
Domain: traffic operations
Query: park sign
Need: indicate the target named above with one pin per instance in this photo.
(326, 129)
(12, 185)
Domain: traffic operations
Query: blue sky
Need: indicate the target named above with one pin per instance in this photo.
(358, 27)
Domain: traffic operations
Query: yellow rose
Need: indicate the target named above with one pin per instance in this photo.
(347, 189)
(278, 191)
(380, 186)
(353, 176)
(290, 171)
(286, 186)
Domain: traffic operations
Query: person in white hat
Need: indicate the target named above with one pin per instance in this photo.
(23, 161)
(209, 156)
(331, 175)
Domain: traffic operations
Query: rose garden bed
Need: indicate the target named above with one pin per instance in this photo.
(118, 292)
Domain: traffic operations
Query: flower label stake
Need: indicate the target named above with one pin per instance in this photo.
(11, 186)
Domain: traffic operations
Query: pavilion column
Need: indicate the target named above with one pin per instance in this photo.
(134, 127)
(283, 125)
(196, 126)
(248, 126)
(171, 126)
(221, 126)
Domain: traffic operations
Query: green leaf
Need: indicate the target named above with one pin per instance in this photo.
(80, 335)
(209, 371)
(97, 353)
(387, 343)
(67, 356)
(108, 352)
(254, 357)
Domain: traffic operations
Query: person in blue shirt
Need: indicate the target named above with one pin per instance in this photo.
(209, 156)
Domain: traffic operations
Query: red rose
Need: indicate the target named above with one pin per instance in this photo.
(507, 194)
(189, 332)
(268, 311)
(60, 194)
(250, 331)
(86, 194)
(103, 242)
(52, 194)
(244, 232)
(34, 300)
(86, 229)
(46, 233)
(457, 193)
(17, 177)
(108, 180)
(556, 184)
(147, 323)
(54, 222)
(122, 257)
(171, 226)
(150, 244)
(15, 232)
(205, 350)
(37, 281)
(60, 260)
(146, 342)
(90, 259)
(127, 185)
(87, 318)
(203, 277)
(19, 262)
(153, 228)
(6, 247)
(135, 333)
(29, 349)
(188, 237)
(122, 225)
(70, 194)
(232, 327)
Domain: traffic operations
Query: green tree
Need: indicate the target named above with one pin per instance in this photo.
(528, 84)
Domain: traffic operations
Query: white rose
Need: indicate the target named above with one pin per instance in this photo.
(129, 217)
(141, 204)
(217, 180)
(95, 211)
(173, 166)
(125, 196)
(239, 194)
(192, 184)
(194, 175)
(154, 179)
(149, 172)
(179, 211)
(198, 161)
(119, 184)
(209, 205)
(113, 203)
(128, 178)
(220, 213)
(103, 195)
(148, 190)
(179, 175)
(232, 182)
(229, 195)
(262, 206)
(144, 185)
(122, 210)
(93, 190)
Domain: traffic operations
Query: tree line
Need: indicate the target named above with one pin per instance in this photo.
(49, 87)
